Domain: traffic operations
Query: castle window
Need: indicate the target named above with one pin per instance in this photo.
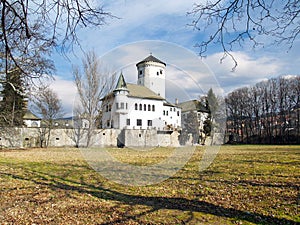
(145, 107)
(136, 106)
(141, 72)
(122, 105)
(153, 108)
(139, 122)
(126, 105)
(160, 71)
(157, 73)
(177, 113)
(128, 122)
(117, 105)
(171, 109)
(108, 123)
(149, 123)
(141, 107)
(164, 112)
(167, 112)
(149, 107)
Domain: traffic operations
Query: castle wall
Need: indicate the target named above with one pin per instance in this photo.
(30, 137)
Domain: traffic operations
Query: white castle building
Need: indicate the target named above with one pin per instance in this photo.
(142, 105)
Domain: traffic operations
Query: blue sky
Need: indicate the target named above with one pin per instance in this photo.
(158, 21)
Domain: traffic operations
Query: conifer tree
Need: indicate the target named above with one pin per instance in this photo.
(12, 106)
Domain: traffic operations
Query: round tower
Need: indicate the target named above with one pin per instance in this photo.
(121, 92)
(151, 74)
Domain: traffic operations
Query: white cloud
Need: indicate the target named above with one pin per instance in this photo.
(166, 21)
(66, 91)
(248, 72)
(184, 68)
(140, 20)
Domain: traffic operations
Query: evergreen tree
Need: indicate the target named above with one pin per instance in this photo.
(212, 103)
(12, 106)
(216, 119)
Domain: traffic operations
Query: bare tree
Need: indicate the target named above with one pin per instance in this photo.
(267, 112)
(49, 107)
(233, 22)
(77, 131)
(30, 30)
(93, 82)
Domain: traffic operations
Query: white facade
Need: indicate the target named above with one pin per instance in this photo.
(197, 107)
(141, 106)
(31, 120)
(151, 74)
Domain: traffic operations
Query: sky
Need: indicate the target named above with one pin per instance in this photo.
(162, 28)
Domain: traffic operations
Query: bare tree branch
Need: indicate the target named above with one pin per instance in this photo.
(231, 23)
(31, 29)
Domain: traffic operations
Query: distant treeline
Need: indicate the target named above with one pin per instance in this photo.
(266, 113)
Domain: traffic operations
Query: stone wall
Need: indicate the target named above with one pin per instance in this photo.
(30, 137)
(150, 138)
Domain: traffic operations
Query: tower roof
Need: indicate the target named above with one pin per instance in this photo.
(121, 84)
(151, 58)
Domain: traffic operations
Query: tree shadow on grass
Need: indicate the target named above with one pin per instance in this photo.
(156, 203)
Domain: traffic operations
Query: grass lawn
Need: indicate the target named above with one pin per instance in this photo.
(244, 185)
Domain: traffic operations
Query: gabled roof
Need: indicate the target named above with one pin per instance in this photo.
(151, 58)
(166, 103)
(30, 116)
(193, 105)
(137, 91)
(140, 91)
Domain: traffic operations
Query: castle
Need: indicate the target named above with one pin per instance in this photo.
(132, 115)
(142, 105)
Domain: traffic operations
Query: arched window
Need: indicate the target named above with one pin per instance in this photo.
(141, 107)
(145, 107)
(149, 107)
(135, 106)
(153, 108)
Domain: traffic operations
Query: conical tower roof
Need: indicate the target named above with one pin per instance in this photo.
(121, 84)
(151, 58)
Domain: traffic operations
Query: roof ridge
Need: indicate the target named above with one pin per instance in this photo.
(151, 58)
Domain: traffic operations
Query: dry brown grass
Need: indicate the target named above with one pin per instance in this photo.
(244, 185)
